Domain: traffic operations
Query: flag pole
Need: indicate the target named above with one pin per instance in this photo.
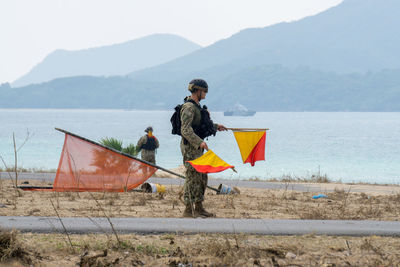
(247, 129)
(129, 156)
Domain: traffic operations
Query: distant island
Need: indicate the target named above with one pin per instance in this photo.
(288, 90)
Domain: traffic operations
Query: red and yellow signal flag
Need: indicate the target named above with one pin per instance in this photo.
(251, 144)
(209, 162)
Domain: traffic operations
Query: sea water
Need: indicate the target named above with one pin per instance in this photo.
(347, 146)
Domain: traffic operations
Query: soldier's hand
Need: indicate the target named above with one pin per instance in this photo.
(203, 145)
(222, 128)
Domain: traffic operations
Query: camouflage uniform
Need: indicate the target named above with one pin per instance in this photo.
(196, 182)
(147, 155)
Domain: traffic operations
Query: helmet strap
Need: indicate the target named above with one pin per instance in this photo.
(195, 96)
(199, 94)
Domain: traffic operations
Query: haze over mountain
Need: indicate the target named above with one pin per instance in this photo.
(117, 59)
(355, 36)
(343, 59)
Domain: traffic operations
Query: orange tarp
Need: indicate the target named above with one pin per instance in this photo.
(87, 166)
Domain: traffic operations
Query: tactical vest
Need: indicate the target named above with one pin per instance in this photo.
(151, 143)
(206, 126)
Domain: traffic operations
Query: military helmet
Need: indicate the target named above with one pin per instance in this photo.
(149, 129)
(198, 84)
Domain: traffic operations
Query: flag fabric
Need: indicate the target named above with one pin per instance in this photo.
(209, 162)
(251, 145)
(88, 166)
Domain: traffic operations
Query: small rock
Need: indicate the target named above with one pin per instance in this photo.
(290, 255)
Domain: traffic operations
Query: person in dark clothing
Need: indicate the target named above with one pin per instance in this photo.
(148, 144)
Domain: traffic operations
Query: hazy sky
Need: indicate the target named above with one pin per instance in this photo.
(31, 29)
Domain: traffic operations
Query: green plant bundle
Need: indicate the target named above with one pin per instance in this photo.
(130, 149)
(117, 145)
(112, 143)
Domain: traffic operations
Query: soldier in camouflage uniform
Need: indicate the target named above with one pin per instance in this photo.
(148, 145)
(192, 147)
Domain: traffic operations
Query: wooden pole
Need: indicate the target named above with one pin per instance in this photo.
(247, 129)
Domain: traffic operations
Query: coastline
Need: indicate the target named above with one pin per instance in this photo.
(303, 185)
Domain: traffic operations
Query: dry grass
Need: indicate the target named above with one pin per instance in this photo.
(10, 247)
(314, 178)
(209, 250)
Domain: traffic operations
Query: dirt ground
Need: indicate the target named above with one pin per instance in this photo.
(250, 203)
(202, 249)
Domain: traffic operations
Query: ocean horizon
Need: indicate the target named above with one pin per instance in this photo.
(346, 146)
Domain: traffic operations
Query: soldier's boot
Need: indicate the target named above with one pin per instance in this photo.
(200, 211)
(188, 212)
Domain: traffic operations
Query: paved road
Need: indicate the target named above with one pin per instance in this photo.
(191, 226)
(315, 188)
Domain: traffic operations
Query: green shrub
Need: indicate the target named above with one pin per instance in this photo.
(117, 145)
(112, 143)
(130, 149)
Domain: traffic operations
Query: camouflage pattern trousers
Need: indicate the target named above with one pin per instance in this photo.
(149, 155)
(195, 182)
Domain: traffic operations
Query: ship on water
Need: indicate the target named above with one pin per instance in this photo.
(239, 110)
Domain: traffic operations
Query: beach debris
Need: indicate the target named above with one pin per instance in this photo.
(153, 188)
(226, 190)
(319, 196)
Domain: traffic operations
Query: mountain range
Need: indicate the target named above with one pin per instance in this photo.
(117, 59)
(343, 59)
